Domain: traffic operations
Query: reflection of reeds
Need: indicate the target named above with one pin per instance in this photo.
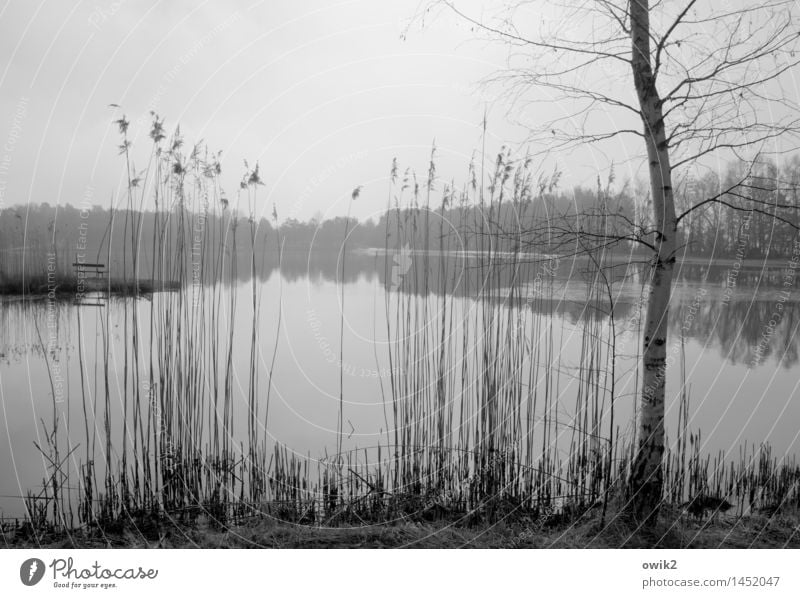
(488, 417)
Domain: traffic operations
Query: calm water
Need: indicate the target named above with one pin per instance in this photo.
(741, 351)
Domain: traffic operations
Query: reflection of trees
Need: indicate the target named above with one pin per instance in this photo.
(33, 230)
(734, 328)
(18, 337)
(737, 327)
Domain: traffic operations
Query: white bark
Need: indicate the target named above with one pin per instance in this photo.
(646, 478)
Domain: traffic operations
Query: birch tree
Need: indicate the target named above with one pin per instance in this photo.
(691, 83)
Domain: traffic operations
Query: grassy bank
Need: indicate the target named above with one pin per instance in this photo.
(678, 531)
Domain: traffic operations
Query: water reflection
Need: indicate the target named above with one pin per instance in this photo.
(723, 331)
(729, 314)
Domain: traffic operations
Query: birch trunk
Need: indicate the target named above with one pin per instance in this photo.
(646, 477)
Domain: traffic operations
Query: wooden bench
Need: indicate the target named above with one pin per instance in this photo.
(95, 269)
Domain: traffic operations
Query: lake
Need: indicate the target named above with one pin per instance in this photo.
(72, 364)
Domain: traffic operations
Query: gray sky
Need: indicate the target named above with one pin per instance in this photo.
(322, 94)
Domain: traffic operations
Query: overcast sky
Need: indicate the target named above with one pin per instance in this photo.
(322, 94)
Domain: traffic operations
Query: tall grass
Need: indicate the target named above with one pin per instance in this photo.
(488, 416)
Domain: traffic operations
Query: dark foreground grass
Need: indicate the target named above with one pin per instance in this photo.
(676, 530)
(69, 287)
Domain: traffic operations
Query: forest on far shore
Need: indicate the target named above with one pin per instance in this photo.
(449, 220)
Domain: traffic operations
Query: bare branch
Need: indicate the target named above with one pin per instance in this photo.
(663, 42)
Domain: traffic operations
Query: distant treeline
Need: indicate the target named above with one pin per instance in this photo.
(545, 222)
